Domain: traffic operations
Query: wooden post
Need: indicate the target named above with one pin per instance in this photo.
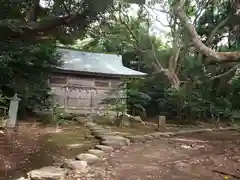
(161, 122)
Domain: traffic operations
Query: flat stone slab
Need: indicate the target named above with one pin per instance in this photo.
(121, 134)
(228, 129)
(107, 149)
(97, 152)
(148, 137)
(75, 145)
(96, 128)
(48, 173)
(90, 124)
(116, 138)
(21, 178)
(137, 138)
(99, 131)
(113, 144)
(89, 158)
(75, 165)
(193, 131)
(102, 134)
(159, 135)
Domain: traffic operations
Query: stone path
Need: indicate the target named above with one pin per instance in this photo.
(163, 156)
(108, 142)
(176, 158)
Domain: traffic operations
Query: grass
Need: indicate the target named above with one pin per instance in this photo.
(72, 140)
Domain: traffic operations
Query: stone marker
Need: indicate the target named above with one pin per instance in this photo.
(48, 173)
(89, 158)
(103, 148)
(12, 112)
(96, 152)
(161, 122)
(75, 165)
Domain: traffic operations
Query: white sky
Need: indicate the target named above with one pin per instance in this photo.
(159, 20)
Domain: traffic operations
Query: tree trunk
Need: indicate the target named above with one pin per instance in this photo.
(214, 57)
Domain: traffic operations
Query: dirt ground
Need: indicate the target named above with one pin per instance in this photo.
(33, 146)
(208, 156)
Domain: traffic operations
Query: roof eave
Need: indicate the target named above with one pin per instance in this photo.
(61, 70)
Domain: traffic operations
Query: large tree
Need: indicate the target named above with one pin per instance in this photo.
(178, 8)
(46, 19)
(202, 88)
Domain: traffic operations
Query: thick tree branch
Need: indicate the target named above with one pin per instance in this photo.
(45, 26)
(225, 73)
(87, 13)
(215, 57)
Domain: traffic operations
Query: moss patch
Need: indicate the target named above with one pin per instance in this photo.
(72, 140)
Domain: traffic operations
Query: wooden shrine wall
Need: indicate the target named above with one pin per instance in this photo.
(83, 92)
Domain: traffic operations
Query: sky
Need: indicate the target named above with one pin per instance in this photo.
(158, 18)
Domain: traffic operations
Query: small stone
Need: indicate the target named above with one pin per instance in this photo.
(75, 165)
(103, 148)
(89, 158)
(96, 152)
(48, 173)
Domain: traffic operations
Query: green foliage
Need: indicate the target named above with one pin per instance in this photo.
(57, 116)
(202, 95)
(25, 69)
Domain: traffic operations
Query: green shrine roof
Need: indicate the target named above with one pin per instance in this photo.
(110, 64)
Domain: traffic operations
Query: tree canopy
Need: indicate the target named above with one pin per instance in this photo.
(184, 81)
